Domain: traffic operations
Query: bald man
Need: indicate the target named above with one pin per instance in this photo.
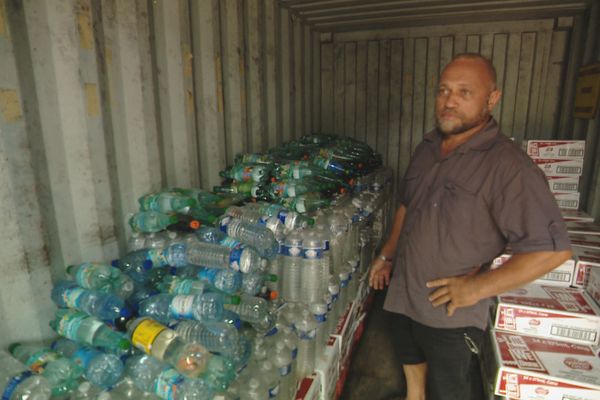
(468, 192)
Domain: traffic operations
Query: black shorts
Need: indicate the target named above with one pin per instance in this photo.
(450, 354)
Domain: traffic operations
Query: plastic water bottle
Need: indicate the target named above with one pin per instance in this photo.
(211, 255)
(328, 301)
(151, 375)
(102, 369)
(177, 285)
(250, 309)
(19, 383)
(166, 202)
(61, 373)
(210, 234)
(319, 311)
(333, 287)
(226, 280)
(252, 283)
(282, 359)
(344, 279)
(311, 276)
(86, 329)
(270, 378)
(274, 269)
(163, 307)
(217, 337)
(354, 270)
(102, 277)
(126, 389)
(291, 266)
(324, 234)
(106, 306)
(141, 293)
(306, 329)
(165, 345)
(135, 264)
(151, 221)
(255, 235)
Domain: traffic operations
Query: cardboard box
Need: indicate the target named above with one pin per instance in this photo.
(589, 241)
(592, 286)
(569, 201)
(576, 215)
(560, 276)
(563, 184)
(556, 149)
(583, 228)
(586, 260)
(552, 312)
(328, 368)
(309, 388)
(343, 330)
(560, 167)
(531, 368)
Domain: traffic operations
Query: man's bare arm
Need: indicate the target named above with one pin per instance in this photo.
(379, 275)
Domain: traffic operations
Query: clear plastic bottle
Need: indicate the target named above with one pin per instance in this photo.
(106, 306)
(19, 383)
(102, 277)
(102, 369)
(354, 270)
(177, 285)
(291, 266)
(164, 307)
(250, 309)
(252, 283)
(61, 372)
(333, 287)
(247, 172)
(151, 375)
(306, 329)
(243, 259)
(151, 221)
(135, 264)
(226, 280)
(166, 202)
(86, 329)
(274, 269)
(319, 311)
(311, 276)
(210, 234)
(255, 235)
(164, 344)
(269, 375)
(217, 337)
(282, 359)
(343, 299)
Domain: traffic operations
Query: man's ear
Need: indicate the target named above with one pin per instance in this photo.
(493, 99)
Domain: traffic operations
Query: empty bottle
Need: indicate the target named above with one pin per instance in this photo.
(247, 172)
(226, 280)
(217, 337)
(291, 266)
(164, 307)
(282, 359)
(102, 277)
(311, 276)
(153, 376)
(163, 343)
(250, 309)
(100, 368)
(252, 283)
(235, 187)
(306, 203)
(255, 235)
(106, 306)
(151, 221)
(319, 311)
(166, 202)
(61, 373)
(19, 383)
(210, 234)
(136, 264)
(343, 299)
(86, 329)
(177, 285)
(243, 259)
(306, 328)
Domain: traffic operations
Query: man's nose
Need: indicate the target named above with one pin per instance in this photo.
(450, 100)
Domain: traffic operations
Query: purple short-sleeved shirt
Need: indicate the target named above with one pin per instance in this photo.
(462, 211)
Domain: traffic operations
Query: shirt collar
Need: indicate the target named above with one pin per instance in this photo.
(482, 140)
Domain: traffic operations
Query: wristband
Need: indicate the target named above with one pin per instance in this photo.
(384, 258)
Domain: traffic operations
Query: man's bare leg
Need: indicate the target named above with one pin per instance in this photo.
(415, 380)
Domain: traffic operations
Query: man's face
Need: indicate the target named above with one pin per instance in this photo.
(463, 100)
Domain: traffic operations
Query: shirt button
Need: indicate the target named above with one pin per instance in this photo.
(435, 204)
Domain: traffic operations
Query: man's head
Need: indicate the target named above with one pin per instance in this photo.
(466, 94)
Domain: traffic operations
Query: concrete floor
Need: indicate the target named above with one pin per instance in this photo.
(374, 372)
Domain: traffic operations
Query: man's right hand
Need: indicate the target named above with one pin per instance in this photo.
(379, 275)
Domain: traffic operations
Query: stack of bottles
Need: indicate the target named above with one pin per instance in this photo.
(231, 292)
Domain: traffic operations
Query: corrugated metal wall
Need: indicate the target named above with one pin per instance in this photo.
(101, 102)
(380, 86)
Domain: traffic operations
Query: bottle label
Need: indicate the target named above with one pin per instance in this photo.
(296, 172)
(167, 382)
(181, 306)
(12, 384)
(326, 245)
(292, 251)
(320, 317)
(234, 258)
(344, 283)
(285, 370)
(183, 286)
(294, 353)
(158, 257)
(145, 333)
(274, 391)
(224, 223)
(300, 206)
(69, 324)
(38, 360)
(71, 297)
(307, 335)
(282, 215)
(84, 274)
(230, 242)
(290, 190)
(313, 254)
(84, 356)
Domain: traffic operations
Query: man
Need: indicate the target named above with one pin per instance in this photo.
(467, 193)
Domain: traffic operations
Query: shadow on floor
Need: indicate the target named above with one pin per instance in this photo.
(374, 372)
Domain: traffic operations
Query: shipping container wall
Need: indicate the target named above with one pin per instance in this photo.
(380, 85)
(104, 101)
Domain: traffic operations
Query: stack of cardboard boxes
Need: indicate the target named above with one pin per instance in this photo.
(543, 341)
(562, 162)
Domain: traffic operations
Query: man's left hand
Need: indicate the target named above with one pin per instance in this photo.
(455, 292)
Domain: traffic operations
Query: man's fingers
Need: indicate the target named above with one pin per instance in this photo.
(441, 300)
(437, 283)
(437, 293)
(450, 308)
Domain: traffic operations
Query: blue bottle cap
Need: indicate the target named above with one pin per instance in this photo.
(147, 264)
(115, 262)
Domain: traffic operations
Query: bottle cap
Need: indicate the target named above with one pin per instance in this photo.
(147, 265)
(12, 347)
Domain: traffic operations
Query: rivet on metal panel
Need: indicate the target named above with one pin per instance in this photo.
(10, 108)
